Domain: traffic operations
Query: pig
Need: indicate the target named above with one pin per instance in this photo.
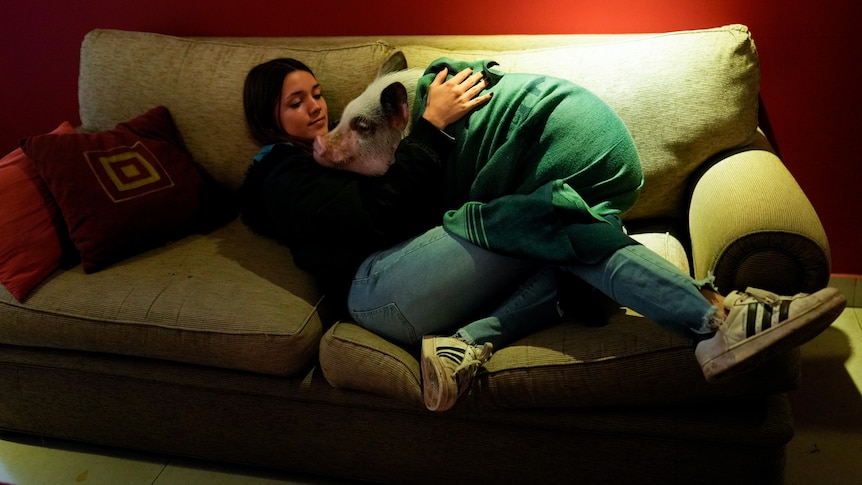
(372, 124)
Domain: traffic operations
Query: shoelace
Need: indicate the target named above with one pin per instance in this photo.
(763, 296)
(483, 355)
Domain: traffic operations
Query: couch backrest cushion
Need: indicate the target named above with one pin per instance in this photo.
(124, 74)
(685, 96)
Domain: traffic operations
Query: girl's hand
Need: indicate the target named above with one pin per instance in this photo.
(449, 101)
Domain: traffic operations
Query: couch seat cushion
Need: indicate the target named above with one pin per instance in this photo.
(628, 362)
(228, 299)
(579, 362)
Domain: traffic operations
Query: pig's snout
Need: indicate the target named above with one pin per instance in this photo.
(342, 152)
(322, 152)
(319, 149)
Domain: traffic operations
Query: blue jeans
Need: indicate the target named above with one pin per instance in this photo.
(437, 283)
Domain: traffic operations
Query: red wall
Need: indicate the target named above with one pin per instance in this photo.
(809, 57)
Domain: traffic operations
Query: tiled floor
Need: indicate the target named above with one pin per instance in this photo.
(827, 408)
(27, 462)
(827, 448)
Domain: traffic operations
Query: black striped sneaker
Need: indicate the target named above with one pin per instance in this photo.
(760, 324)
(448, 367)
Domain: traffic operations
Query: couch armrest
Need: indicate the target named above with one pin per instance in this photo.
(751, 225)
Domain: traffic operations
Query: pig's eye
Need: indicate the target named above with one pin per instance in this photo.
(361, 125)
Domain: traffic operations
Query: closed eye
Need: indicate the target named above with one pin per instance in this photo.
(362, 125)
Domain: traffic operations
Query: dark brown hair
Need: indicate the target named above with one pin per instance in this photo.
(261, 94)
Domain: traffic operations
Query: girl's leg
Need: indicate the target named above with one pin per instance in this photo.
(640, 279)
(532, 305)
(431, 285)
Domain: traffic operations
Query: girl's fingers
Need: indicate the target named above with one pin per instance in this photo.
(441, 76)
(477, 87)
(461, 76)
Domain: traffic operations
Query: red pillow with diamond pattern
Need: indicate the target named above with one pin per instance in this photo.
(121, 191)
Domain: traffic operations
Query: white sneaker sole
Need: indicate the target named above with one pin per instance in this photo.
(435, 391)
(748, 353)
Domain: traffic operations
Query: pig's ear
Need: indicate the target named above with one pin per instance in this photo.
(396, 62)
(393, 99)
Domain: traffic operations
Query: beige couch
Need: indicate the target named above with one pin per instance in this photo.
(216, 346)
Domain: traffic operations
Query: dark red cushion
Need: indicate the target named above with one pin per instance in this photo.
(30, 223)
(121, 191)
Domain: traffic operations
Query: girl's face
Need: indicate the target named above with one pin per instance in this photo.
(302, 109)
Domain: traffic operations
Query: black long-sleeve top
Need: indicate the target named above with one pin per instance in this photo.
(332, 220)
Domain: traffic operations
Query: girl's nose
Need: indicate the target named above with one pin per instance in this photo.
(314, 106)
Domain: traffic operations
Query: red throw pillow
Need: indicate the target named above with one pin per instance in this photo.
(30, 223)
(122, 191)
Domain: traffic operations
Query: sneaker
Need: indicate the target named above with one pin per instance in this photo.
(448, 367)
(760, 324)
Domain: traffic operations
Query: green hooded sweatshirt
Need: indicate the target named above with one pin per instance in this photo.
(542, 171)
